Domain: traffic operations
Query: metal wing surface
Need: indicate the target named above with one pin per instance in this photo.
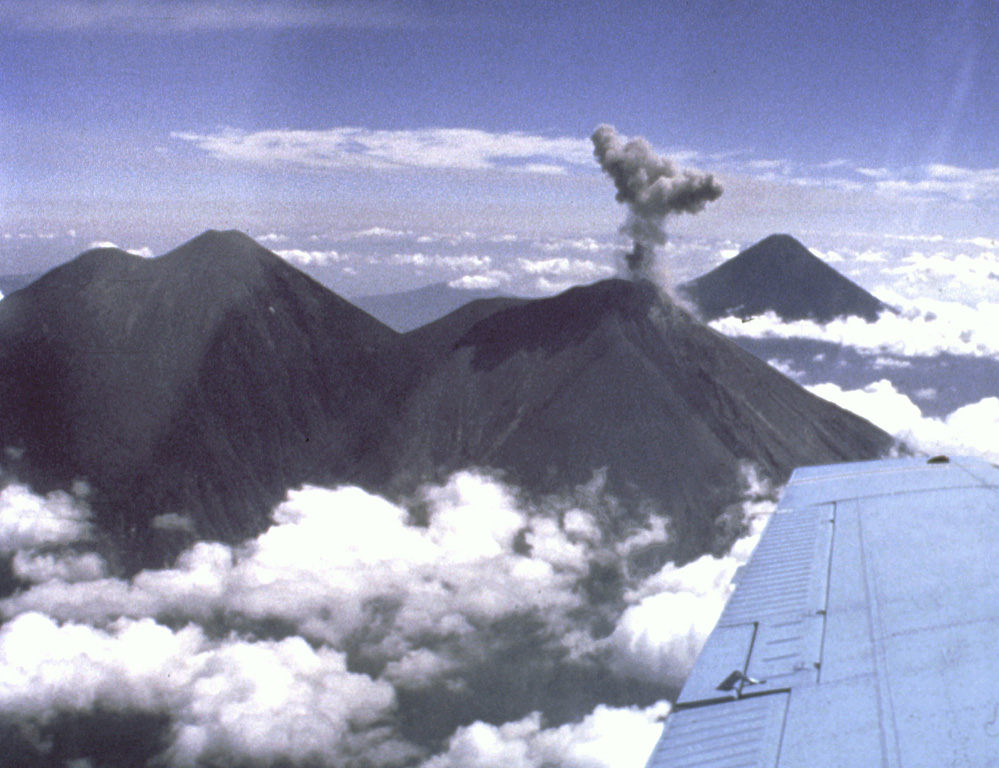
(864, 630)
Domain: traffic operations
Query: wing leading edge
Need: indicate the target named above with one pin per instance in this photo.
(863, 631)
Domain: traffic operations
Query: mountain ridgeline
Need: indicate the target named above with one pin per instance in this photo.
(192, 390)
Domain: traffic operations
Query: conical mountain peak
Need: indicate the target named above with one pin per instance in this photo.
(780, 275)
(206, 380)
(102, 253)
(93, 264)
(230, 242)
(780, 249)
(615, 375)
(559, 321)
(231, 253)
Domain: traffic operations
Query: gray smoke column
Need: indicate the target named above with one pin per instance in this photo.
(652, 186)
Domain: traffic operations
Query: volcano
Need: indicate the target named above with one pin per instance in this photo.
(614, 376)
(779, 275)
(192, 390)
(201, 384)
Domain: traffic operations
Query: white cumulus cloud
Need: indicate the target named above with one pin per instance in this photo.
(460, 262)
(559, 273)
(923, 327)
(229, 699)
(28, 520)
(489, 280)
(671, 613)
(606, 738)
(145, 251)
(307, 644)
(309, 258)
(972, 429)
(272, 237)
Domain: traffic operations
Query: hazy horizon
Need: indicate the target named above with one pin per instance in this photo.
(456, 135)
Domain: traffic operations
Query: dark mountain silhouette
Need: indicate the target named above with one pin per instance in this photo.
(614, 375)
(11, 283)
(204, 383)
(407, 310)
(779, 275)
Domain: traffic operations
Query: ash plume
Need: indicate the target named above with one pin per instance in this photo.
(652, 186)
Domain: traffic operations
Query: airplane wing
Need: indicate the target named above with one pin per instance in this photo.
(864, 630)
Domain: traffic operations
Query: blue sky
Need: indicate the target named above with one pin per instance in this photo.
(144, 122)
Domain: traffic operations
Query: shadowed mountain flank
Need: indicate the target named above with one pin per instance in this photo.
(202, 383)
(192, 390)
(780, 275)
(11, 283)
(615, 376)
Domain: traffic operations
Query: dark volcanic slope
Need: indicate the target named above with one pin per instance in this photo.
(779, 274)
(614, 375)
(204, 382)
(11, 283)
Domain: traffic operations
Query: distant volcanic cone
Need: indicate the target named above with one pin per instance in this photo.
(780, 275)
(652, 186)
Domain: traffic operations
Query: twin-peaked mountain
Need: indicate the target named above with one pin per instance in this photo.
(780, 275)
(192, 390)
(202, 383)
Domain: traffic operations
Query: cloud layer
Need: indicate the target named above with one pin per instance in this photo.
(923, 328)
(356, 631)
(970, 430)
(462, 149)
(607, 736)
